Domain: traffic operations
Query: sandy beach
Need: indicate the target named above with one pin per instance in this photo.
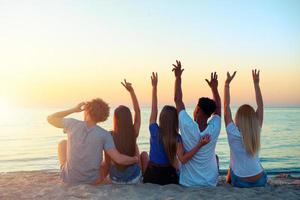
(47, 185)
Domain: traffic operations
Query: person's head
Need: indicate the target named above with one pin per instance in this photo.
(248, 124)
(168, 131)
(96, 110)
(123, 131)
(205, 108)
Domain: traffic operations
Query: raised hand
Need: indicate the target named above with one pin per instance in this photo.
(258, 96)
(80, 107)
(136, 107)
(255, 76)
(229, 77)
(154, 79)
(177, 69)
(213, 83)
(204, 140)
(127, 85)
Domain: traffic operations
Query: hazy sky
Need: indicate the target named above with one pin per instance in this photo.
(55, 53)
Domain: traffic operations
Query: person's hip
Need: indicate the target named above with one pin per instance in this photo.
(126, 176)
(258, 180)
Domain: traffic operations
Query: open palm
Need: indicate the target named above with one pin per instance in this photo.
(177, 69)
(213, 83)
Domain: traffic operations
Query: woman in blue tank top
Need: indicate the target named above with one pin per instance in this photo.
(162, 166)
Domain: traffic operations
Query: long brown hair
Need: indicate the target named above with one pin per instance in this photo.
(168, 131)
(247, 122)
(123, 132)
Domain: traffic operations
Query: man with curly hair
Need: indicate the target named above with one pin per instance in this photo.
(81, 155)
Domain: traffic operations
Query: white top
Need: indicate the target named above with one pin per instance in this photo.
(241, 163)
(202, 169)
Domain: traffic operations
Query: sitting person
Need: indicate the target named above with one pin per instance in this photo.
(244, 139)
(125, 133)
(165, 145)
(202, 169)
(80, 156)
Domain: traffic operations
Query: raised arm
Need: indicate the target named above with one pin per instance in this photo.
(184, 157)
(227, 111)
(258, 96)
(154, 110)
(120, 158)
(178, 91)
(136, 107)
(56, 119)
(213, 84)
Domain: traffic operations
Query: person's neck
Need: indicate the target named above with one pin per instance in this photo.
(202, 123)
(90, 124)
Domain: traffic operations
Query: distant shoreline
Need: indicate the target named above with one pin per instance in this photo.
(188, 106)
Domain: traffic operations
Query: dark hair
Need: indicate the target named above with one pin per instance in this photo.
(123, 133)
(97, 109)
(207, 105)
(168, 131)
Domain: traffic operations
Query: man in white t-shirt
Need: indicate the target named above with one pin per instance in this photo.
(202, 169)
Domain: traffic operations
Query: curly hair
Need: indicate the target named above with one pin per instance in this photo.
(97, 109)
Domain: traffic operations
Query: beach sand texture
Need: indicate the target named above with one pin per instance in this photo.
(47, 185)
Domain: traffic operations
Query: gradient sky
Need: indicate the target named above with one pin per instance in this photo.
(56, 53)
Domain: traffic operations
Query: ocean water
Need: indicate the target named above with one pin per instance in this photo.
(28, 142)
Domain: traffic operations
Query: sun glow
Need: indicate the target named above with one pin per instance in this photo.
(57, 54)
(7, 109)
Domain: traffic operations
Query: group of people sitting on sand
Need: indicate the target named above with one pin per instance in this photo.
(182, 148)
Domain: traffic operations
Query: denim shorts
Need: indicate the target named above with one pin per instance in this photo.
(240, 182)
(131, 175)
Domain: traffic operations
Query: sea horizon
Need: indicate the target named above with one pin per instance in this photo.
(29, 143)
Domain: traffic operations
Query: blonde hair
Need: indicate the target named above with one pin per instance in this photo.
(247, 122)
(97, 109)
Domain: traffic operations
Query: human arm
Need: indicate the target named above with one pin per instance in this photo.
(137, 154)
(258, 96)
(213, 84)
(227, 110)
(184, 157)
(154, 109)
(178, 90)
(104, 169)
(120, 158)
(136, 107)
(56, 119)
(107, 163)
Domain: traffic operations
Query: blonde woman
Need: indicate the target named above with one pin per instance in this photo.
(244, 139)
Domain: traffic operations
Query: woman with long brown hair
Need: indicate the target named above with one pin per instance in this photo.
(161, 167)
(244, 139)
(125, 133)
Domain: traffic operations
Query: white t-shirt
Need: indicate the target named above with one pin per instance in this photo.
(241, 163)
(202, 169)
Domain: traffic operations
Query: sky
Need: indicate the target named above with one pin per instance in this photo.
(59, 53)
